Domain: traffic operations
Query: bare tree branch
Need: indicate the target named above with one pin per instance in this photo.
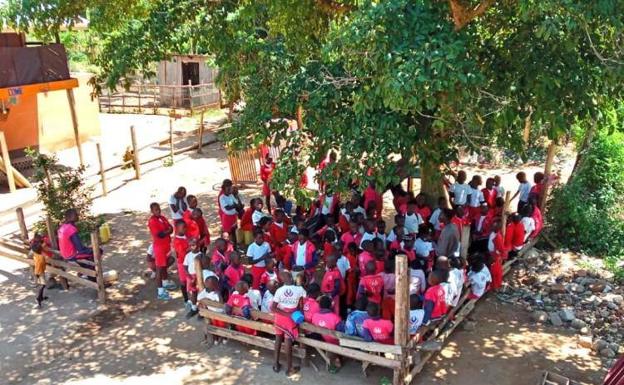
(462, 15)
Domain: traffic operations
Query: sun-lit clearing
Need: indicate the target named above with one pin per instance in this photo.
(178, 376)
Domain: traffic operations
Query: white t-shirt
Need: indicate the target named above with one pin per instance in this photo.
(415, 320)
(524, 190)
(300, 258)
(449, 292)
(529, 226)
(287, 297)
(391, 237)
(476, 197)
(256, 216)
(255, 251)
(180, 203)
(418, 282)
(460, 192)
(343, 265)
(267, 300)
(368, 237)
(434, 219)
(228, 200)
(500, 191)
(360, 209)
(456, 279)
(189, 261)
(412, 222)
(211, 295)
(479, 281)
(491, 246)
(327, 204)
(423, 248)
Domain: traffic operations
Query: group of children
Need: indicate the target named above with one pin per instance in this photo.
(335, 262)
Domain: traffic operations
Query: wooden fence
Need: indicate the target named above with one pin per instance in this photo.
(406, 357)
(18, 248)
(160, 99)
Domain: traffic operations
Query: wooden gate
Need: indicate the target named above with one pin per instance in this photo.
(245, 164)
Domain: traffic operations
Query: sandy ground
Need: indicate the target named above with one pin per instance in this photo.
(136, 339)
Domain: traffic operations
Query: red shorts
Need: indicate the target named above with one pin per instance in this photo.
(474, 213)
(182, 274)
(256, 273)
(229, 222)
(191, 283)
(160, 255)
(284, 325)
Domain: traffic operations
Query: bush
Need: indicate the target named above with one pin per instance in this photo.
(587, 214)
(60, 188)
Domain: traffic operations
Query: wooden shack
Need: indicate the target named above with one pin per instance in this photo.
(187, 81)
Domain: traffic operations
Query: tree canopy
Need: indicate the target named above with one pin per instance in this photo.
(389, 85)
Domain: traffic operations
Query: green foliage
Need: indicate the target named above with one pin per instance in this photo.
(60, 188)
(588, 213)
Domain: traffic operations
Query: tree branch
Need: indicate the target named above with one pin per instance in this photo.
(333, 6)
(462, 15)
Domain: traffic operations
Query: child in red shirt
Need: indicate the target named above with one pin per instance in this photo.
(327, 319)
(220, 258)
(160, 230)
(375, 328)
(310, 304)
(352, 274)
(181, 248)
(498, 254)
(514, 235)
(332, 284)
(266, 172)
(371, 284)
(278, 228)
(239, 304)
(422, 208)
(246, 224)
(233, 273)
(435, 298)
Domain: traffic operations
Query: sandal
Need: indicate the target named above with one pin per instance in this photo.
(277, 368)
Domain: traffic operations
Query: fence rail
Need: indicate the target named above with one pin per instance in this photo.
(157, 99)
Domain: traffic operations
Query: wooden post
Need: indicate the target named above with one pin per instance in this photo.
(99, 273)
(72, 108)
(410, 184)
(154, 103)
(139, 98)
(102, 175)
(123, 102)
(171, 139)
(200, 136)
(401, 313)
(51, 233)
(552, 150)
(22, 224)
(110, 102)
(135, 154)
(7, 162)
(465, 241)
(505, 208)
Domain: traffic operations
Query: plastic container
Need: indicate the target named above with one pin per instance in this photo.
(105, 233)
(297, 317)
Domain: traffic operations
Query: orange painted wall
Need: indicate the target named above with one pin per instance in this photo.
(44, 120)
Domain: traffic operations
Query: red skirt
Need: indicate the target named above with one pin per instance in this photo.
(284, 325)
(228, 222)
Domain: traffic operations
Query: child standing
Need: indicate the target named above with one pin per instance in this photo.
(233, 273)
(39, 269)
(389, 284)
(181, 248)
(286, 301)
(412, 218)
(310, 303)
(524, 189)
(475, 198)
(435, 298)
(371, 284)
(332, 284)
(160, 230)
(191, 276)
(459, 190)
(479, 277)
(498, 254)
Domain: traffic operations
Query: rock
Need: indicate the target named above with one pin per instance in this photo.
(539, 316)
(597, 287)
(585, 342)
(607, 353)
(581, 273)
(613, 305)
(567, 315)
(578, 324)
(576, 288)
(555, 319)
(615, 347)
(557, 289)
(586, 331)
(615, 298)
(469, 326)
(600, 345)
(529, 281)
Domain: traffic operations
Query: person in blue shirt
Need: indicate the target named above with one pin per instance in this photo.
(355, 319)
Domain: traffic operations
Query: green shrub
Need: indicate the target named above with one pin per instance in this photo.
(587, 213)
(60, 188)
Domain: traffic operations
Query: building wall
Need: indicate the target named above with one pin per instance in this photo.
(44, 120)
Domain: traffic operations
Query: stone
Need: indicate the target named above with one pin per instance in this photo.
(585, 331)
(578, 324)
(613, 305)
(555, 319)
(469, 326)
(615, 298)
(576, 288)
(607, 353)
(529, 280)
(539, 316)
(567, 315)
(581, 273)
(600, 345)
(615, 347)
(585, 342)
(597, 287)
(557, 289)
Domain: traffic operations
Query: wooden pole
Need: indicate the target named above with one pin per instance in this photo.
(7, 162)
(72, 109)
(505, 208)
(22, 224)
(139, 98)
(99, 273)
(401, 313)
(552, 150)
(102, 172)
(171, 139)
(200, 136)
(465, 241)
(135, 154)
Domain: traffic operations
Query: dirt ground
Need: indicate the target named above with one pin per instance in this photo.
(136, 339)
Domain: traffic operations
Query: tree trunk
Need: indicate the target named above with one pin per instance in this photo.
(431, 183)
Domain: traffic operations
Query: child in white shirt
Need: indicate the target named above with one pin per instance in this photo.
(479, 278)
(416, 314)
(418, 282)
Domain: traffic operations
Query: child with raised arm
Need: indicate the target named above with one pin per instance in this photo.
(286, 301)
(258, 252)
